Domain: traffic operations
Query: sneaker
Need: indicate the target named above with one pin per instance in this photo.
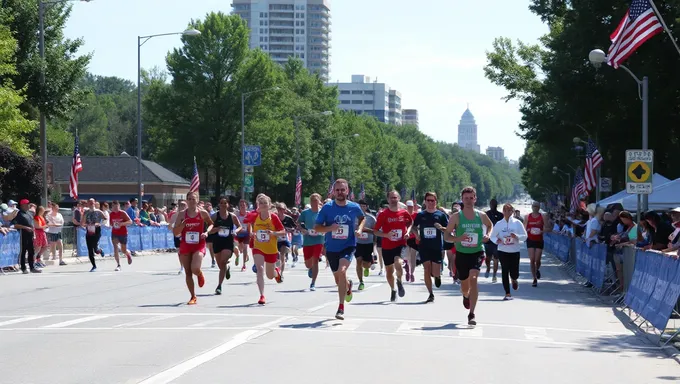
(437, 281)
(227, 274)
(486, 275)
(400, 287)
(413, 278)
(236, 263)
(515, 285)
(218, 291)
(129, 258)
(494, 279)
(393, 296)
(471, 320)
(372, 267)
(62, 263)
(361, 285)
(201, 280)
(340, 314)
(94, 269)
(507, 298)
(312, 287)
(538, 274)
(367, 271)
(254, 268)
(180, 271)
(430, 299)
(348, 296)
(466, 302)
(25, 272)
(380, 273)
(278, 278)
(117, 269)
(36, 270)
(261, 301)
(192, 301)
(534, 284)
(213, 264)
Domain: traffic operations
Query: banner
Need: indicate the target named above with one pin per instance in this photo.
(10, 246)
(661, 286)
(139, 239)
(557, 245)
(105, 243)
(146, 238)
(134, 238)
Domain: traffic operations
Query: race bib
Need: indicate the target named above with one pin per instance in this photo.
(224, 232)
(363, 236)
(342, 233)
(91, 229)
(283, 238)
(508, 240)
(312, 232)
(116, 224)
(262, 236)
(535, 231)
(470, 240)
(430, 233)
(396, 234)
(192, 237)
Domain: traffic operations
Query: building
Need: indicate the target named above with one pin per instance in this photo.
(108, 178)
(467, 132)
(410, 117)
(364, 96)
(496, 153)
(285, 28)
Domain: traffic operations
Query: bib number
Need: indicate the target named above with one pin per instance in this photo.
(363, 236)
(312, 232)
(342, 233)
(396, 234)
(470, 240)
(535, 231)
(430, 233)
(262, 236)
(116, 225)
(91, 229)
(224, 232)
(508, 240)
(192, 237)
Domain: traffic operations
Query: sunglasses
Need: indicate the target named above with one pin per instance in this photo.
(431, 201)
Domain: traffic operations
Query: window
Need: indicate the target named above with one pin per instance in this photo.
(261, 39)
(297, 39)
(261, 22)
(297, 23)
(302, 23)
(368, 92)
(344, 92)
(356, 102)
(344, 101)
(261, 14)
(357, 92)
(302, 55)
(368, 101)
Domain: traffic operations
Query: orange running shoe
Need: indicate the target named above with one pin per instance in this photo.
(278, 277)
(201, 280)
(261, 301)
(192, 301)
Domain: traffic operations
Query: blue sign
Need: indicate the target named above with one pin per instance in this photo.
(252, 155)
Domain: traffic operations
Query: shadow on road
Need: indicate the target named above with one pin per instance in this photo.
(316, 324)
(160, 305)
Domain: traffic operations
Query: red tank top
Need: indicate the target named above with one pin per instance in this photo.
(193, 227)
(116, 218)
(535, 227)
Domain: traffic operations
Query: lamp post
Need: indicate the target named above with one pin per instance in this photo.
(597, 57)
(245, 95)
(333, 141)
(555, 170)
(43, 119)
(141, 40)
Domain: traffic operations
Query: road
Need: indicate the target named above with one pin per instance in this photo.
(71, 326)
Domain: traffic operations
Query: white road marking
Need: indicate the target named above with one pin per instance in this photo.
(23, 319)
(536, 334)
(75, 321)
(145, 321)
(207, 322)
(411, 327)
(347, 325)
(322, 306)
(273, 322)
(475, 332)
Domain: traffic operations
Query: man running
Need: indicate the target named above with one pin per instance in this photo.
(535, 224)
(490, 247)
(223, 239)
(119, 221)
(312, 242)
(507, 233)
(392, 225)
(92, 223)
(338, 220)
(266, 229)
(364, 252)
(469, 238)
(243, 237)
(427, 228)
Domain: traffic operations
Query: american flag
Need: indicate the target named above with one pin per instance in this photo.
(76, 168)
(638, 25)
(195, 181)
(362, 192)
(578, 190)
(593, 161)
(351, 194)
(298, 188)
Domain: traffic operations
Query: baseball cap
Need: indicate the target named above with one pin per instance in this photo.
(676, 210)
(24, 201)
(12, 202)
(409, 203)
(3, 207)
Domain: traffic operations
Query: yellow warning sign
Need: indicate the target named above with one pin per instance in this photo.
(639, 172)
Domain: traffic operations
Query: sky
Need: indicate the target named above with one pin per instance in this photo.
(433, 54)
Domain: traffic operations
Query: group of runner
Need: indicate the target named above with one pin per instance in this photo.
(342, 230)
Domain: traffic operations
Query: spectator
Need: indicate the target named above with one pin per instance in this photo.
(24, 222)
(55, 225)
(39, 236)
(593, 226)
(660, 231)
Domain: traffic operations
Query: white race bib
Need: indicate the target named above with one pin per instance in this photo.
(116, 224)
(224, 232)
(471, 240)
(342, 233)
(363, 236)
(262, 236)
(508, 240)
(91, 229)
(192, 237)
(535, 231)
(312, 232)
(396, 234)
(430, 232)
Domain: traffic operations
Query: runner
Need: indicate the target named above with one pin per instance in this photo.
(469, 238)
(507, 233)
(364, 251)
(535, 224)
(119, 221)
(243, 237)
(223, 239)
(190, 225)
(283, 243)
(177, 239)
(92, 223)
(296, 241)
(266, 228)
(378, 242)
(427, 228)
(312, 242)
(392, 225)
(338, 220)
(412, 242)
(490, 247)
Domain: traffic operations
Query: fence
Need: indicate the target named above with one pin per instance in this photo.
(651, 279)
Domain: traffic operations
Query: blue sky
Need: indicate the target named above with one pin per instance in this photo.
(433, 54)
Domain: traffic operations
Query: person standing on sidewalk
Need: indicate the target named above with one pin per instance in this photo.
(24, 222)
(92, 224)
(55, 224)
(507, 233)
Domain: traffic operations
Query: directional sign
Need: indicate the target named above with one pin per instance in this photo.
(639, 171)
(249, 182)
(252, 156)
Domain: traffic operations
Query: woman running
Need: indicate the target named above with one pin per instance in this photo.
(222, 234)
(119, 221)
(266, 229)
(190, 224)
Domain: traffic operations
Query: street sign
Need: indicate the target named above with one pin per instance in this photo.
(605, 184)
(252, 156)
(249, 169)
(249, 183)
(639, 171)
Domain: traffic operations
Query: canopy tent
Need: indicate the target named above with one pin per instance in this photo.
(662, 198)
(657, 181)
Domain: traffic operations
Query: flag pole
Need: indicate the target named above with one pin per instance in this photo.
(665, 27)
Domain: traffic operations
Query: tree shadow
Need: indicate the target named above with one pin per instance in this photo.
(445, 327)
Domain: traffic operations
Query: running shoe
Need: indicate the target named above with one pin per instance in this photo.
(218, 291)
(312, 287)
(438, 281)
(227, 274)
(261, 301)
(486, 274)
(94, 269)
(507, 298)
(348, 296)
(466, 302)
(361, 285)
(380, 273)
(400, 287)
(62, 263)
(117, 269)
(254, 268)
(538, 274)
(515, 285)
(279, 278)
(534, 284)
(471, 320)
(192, 301)
(129, 258)
(340, 314)
(413, 278)
(367, 271)
(393, 296)
(430, 299)
(201, 280)
(494, 279)
(213, 264)
(236, 260)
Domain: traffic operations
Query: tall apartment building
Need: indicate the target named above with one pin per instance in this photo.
(364, 96)
(285, 28)
(410, 116)
(496, 153)
(467, 132)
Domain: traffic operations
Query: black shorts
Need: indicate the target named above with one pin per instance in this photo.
(465, 262)
(431, 255)
(177, 240)
(335, 257)
(378, 242)
(211, 238)
(538, 244)
(491, 249)
(223, 244)
(282, 244)
(122, 239)
(412, 243)
(390, 254)
(364, 252)
(448, 246)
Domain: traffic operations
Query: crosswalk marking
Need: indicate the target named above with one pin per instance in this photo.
(536, 334)
(207, 322)
(476, 331)
(23, 319)
(145, 321)
(76, 321)
(412, 328)
(347, 325)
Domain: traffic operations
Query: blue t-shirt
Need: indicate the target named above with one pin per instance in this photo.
(430, 237)
(307, 220)
(346, 216)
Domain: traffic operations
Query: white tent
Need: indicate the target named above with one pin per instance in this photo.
(662, 198)
(657, 181)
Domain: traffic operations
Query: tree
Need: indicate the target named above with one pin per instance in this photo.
(20, 176)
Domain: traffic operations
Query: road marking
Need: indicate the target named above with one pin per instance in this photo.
(322, 306)
(273, 322)
(475, 332)
(75, 321)
(412, 328)
(23, 319)
(348, 325)
(537, 334)
(145, 321)
(207, 322)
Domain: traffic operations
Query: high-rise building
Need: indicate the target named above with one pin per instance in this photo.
(410, 116)
(467, 132)
(364, 96)
(496, 153)
(285, 28)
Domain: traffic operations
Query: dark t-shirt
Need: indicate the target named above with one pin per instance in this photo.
(24, 218)
(494, 216)
(430, 237)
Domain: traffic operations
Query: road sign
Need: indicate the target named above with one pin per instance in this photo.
(249, 182)
(252, 156)
(605, 184)
(639, 171)
(249, 169)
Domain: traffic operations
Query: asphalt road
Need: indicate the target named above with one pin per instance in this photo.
(71, 326)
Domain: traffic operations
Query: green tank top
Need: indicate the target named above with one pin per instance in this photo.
(475, 234)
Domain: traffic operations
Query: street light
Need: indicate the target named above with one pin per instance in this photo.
(43, 122)
(188, 32)
(555, 170)
(333, 141)
(597, 57)
(295, 123)
(244, 95)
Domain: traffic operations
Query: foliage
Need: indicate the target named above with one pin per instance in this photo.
(20, 176)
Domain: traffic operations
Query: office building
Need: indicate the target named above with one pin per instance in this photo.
(467, 132)
(285, 28)
(410, 116)
(364, 96)
(496, 153)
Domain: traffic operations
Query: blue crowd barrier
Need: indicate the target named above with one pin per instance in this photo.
(591, 261)
(139, 239)
(557, 245)
(10, 246)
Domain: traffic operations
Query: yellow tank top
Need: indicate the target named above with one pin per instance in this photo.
(264, 242)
